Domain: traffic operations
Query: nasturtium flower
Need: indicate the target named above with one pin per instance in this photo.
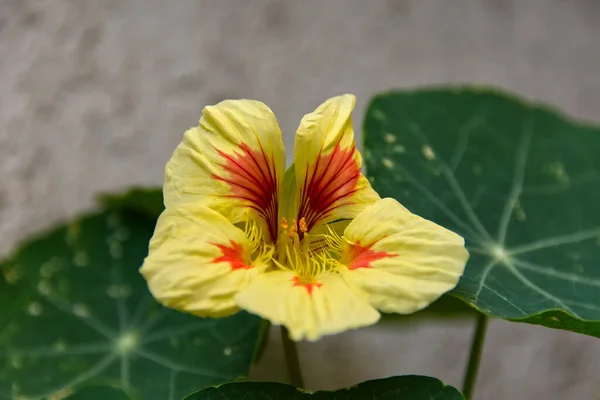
(313, 248)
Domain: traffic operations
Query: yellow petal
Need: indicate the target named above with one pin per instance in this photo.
(328, 179)
(233, 162)
(309, 311)
(401, 261)
(198, 261)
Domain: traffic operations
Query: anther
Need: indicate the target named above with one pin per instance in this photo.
(294, 228)
(303, 226)
(284, 223)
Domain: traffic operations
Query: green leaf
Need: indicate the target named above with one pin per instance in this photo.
(520, 182)
(145, 200)
(395, 388)
(75, 310)
(99, 393)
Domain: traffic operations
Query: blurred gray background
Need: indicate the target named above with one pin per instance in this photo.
(95, 95)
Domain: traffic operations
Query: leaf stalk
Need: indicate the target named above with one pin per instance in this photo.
(291, 359)
(475, 356)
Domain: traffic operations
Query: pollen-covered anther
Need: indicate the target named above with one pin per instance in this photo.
(284, 223)
(303, 225)
(293, 229)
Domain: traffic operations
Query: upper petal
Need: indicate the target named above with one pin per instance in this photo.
(400, 260)
(198, 261)
(233, 162)
(309, 310)
(328, 179)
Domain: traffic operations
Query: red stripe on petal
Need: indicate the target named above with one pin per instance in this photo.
(328, 184)
(233, 254)
(253, 179)
(357, 256)
(308, 286)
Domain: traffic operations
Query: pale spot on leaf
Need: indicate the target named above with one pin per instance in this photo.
(64, 393)
(389, 138)
(398, 148)
(389, 164)
(81, 259)
(81, 310)
(34, 308)
(557, 169)
(50, 267)
(428, 153)
(59, 346)
(12, 276)
(16, 362)
(378, 115)
(118, 291)
(44, 287)
(519, 212)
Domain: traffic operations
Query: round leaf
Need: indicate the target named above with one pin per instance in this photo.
(143, 200)
(75, 310)
(395, 388)
(518, 181)
(99, 393)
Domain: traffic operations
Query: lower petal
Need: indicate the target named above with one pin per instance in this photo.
(193, 286)
(309, 311)
(198, 261)
(401, 261)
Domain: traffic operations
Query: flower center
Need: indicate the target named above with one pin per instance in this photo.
(308, 255)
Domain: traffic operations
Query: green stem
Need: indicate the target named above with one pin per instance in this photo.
(475, 356)
(264, 332)
(291, 359)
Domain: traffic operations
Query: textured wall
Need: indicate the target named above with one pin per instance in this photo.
(94, 96)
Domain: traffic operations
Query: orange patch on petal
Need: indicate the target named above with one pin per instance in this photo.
(253, 178)
(310, 286)
(357, 256)
(233, 254)
(328, 184)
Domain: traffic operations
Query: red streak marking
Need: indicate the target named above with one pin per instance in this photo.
(331, 180)
(233, 254)
(253, 179)
(362, 256)
(308, 286)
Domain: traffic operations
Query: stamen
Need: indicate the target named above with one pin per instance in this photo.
(330, 242)
(293, 229)
(261, 251)
(303, 225)
(253, 233)
(284, 223)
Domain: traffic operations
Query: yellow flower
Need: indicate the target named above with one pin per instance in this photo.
(312, 248)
